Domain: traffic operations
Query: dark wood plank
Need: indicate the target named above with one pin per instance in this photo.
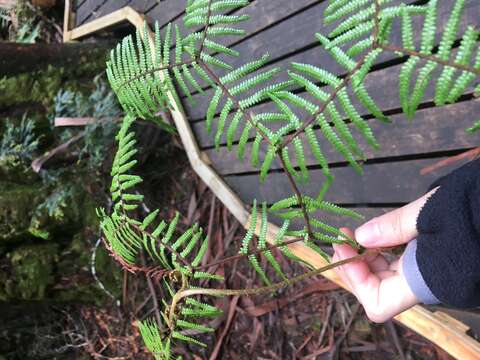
(109, 7)
(295, 37)
(143, 6)
(262, 13)
(432, 130)
(385, 183)
(87, 11)
(166, 11)
(79, 3)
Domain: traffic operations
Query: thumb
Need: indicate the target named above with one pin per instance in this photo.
(394, 228)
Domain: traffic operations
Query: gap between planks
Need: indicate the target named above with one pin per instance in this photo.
(440, 329)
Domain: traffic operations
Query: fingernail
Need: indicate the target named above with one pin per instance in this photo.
(368, 234)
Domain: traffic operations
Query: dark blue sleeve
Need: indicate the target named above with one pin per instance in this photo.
(448, 245)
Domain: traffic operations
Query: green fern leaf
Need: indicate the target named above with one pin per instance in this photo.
(188, 339)
(153, 341)
(212, 108)
(243, 140)
(444, 82)
(189, 325)
(221, 122)
(255, 156)
(251, 230)
(288, 163)
(267, 162)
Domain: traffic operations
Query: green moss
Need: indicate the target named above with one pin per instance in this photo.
(38, 87)
(12, 168)
(42, 86)
(32, 269)
(17, 205)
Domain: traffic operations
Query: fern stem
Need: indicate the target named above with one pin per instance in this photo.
(429, 57)
(152, 71)
(376, 23)
(183, 293)
(205, 31)
(298, 195)
(236, 103)
(325, 104)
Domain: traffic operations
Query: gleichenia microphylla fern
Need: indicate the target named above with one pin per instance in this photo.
(144, 71)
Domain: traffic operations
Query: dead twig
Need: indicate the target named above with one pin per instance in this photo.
(38, 163)
(390, 327)
(231, 314)
(151, 288)
(469, 155)
(334, 353)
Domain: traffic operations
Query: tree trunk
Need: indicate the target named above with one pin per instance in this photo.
(20, 58)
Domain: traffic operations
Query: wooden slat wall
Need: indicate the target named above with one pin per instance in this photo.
(160, 10)
(285, 29)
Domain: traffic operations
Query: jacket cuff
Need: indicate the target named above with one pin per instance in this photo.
(414, 278)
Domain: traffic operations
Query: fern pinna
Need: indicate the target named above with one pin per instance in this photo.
(314, 107)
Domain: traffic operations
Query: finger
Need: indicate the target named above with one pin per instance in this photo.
(341, 273)
(394, 266)
(392, 296)
(378, 263)
(385, 274)
(356, 271)
(382, 297)
(394, 228)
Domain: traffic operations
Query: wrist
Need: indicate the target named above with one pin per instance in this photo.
(413, 276)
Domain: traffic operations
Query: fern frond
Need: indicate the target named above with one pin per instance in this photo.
(463, 57)
(262, 244)
(447, 88)
(189, 325)
(188, 339)
(344, 141)
(313, 205)
(199, 309)
(161, 349)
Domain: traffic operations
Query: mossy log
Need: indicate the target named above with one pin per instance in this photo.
(18, 58)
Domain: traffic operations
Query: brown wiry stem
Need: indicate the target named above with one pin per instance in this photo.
(205, 31)
(376, 22)
(184, 292)
(232, 98)
(251, 252)
(153, 294)
(133, 268)
(157, 69)
(300, 201)
(167, 246)
(327, 102)
(429, 57)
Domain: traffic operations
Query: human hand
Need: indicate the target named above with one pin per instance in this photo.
(378, 285)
